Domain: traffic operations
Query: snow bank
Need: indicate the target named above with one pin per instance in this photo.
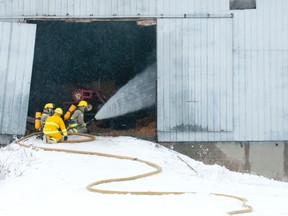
(14, 160)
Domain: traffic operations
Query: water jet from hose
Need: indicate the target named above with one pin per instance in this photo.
(137, 94)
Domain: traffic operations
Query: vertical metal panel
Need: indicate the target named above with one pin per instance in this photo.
(111, 7)
(261, 72)
(16, 57)
(205, 104)
(260, 62)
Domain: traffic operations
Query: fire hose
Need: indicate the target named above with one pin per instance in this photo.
(158, 169)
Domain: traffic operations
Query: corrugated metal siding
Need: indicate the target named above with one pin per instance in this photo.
(109, 7)
(260, 82)
(16, 58)
(195, 86)
(261, 72)
(260, 58)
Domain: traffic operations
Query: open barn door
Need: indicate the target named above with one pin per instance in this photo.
(194, 82)
(16, 58)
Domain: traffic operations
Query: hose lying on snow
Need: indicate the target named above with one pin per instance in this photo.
(158, 169)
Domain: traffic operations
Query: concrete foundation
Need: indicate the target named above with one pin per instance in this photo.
(268, 159)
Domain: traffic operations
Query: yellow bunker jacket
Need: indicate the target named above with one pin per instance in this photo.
(53, 124)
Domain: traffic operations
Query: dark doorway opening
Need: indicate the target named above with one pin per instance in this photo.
(100, 55)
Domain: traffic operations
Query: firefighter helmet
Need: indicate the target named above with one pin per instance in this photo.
(49, 106)
(59, 111)
(82, 103)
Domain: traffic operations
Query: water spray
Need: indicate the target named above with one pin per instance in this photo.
(137, 94)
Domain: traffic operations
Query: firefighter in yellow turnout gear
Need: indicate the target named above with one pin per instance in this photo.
(40, 118)
(76, 123)
(47, 112)
(53, 126)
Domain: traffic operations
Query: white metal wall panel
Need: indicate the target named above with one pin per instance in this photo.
(16, 59)
(261, 72)
(111, 7)
(260, 59)
(195, 85)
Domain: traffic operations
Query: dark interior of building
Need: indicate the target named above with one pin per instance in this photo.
(99, 56)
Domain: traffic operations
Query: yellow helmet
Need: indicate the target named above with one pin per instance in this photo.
(49, 106)
(82, 103)
(59, 111)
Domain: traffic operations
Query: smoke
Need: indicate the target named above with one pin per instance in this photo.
(137, 94)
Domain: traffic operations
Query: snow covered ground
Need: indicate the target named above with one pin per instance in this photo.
(46, 183)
